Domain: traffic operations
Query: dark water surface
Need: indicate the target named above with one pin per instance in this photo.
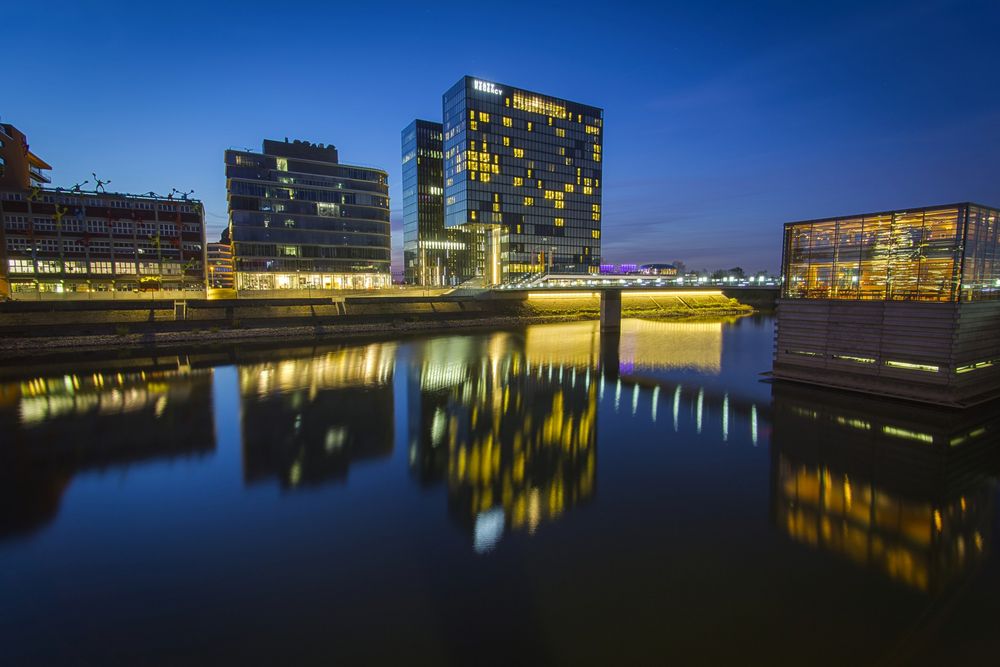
(509, 497)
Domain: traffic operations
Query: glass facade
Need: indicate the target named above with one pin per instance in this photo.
(432, 254)
(941, 253)
(522, 171)
(301, 220)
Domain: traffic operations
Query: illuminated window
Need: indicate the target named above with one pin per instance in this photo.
(472, 215)
(568, 187)
(519, 152)
(596, 208)
(587, 190)
(506, 141)
(473, 125)
(560, 222)
(529, 201)
(560, 204)
(560, 132)
(595, 233)
(484, 117)
(507, 122)
(518, 181)
(485, 177)
(596, 217)
(529, 126)
(472, 114)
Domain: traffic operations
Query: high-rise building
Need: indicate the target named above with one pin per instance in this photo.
(521, 179)
(432, 254)
(299, 219)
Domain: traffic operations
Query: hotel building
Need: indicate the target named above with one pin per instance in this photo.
(903, 303)
(522, 177)
(300, 219)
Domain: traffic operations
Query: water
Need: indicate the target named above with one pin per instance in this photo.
(528, 496)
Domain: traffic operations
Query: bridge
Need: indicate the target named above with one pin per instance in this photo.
(761, 295)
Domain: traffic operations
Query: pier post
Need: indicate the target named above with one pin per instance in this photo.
(611, 310)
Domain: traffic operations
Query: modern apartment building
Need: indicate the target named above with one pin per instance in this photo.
(521, 179)
(904, 303)
(300, 219)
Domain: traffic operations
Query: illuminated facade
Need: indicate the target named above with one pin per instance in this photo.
(433, 255)
(301, 220)
(220, 265)
(58, 241)
(899, 302)
(522, 171)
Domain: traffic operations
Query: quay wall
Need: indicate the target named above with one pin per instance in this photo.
(29, 325)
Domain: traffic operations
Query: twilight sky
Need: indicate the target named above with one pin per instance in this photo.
(722, 120)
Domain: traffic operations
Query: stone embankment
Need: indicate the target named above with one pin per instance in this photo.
(43, 327)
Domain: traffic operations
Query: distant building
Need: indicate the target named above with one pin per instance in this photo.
(618, 269)
(20, 169)
(902, 303)
(57, 241)
(220, 266)
(432, 254)
(299, 219)
(658, 270)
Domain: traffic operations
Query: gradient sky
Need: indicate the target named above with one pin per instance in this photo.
(722, 120)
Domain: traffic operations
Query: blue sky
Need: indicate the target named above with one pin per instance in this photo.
(722, 120)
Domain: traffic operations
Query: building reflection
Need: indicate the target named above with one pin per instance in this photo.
(644, 345)
(512, 433)
(307, 417)
(57, 426)
(905, 491)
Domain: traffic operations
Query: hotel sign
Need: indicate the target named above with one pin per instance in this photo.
(486, 87)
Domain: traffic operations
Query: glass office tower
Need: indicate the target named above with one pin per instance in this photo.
(522, 172)
(301, 220)
(432, 254)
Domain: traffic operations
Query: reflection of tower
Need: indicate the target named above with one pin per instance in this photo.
(55, 427)
(907, 492)
(305, 420)
(516, 441)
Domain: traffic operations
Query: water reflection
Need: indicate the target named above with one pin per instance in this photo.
(515, 441)
(306, 418)
(57, 426)
(906, 491)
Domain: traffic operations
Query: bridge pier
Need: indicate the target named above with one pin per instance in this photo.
(611, 311)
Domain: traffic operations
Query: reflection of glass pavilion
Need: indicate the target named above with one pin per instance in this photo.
(907, 493)
(899, 303)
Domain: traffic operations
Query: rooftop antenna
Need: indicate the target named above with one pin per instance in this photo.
(183, 195)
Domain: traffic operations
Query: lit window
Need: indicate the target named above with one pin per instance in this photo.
(484, 117)
(560, 204)
(560, 132)
(529, 201)
(506, 141)
(518, 181)
(569, 187)
(560, 222)
(507, 122)
(519, 152)
(595, 233)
